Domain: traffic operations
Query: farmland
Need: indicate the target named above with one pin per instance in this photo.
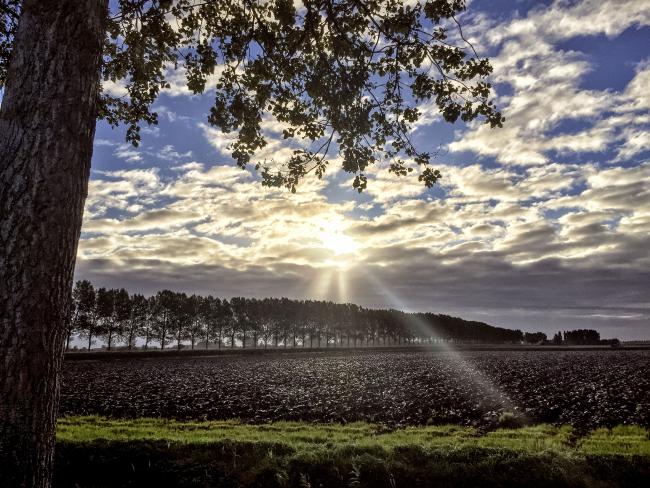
(485, 389)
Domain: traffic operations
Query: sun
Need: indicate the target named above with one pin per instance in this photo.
(342, 249)
(339, 243)
(340, 256)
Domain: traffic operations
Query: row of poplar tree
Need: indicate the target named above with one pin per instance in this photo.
(176, 319)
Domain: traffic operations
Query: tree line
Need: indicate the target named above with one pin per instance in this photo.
(582, 337)
(174, 319)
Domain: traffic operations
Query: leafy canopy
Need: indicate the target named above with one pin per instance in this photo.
(336, 74)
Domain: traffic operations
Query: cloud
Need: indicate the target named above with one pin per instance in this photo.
(544, 225)
(169, 153)
(546, 87)
(119, 190)
(565, 19)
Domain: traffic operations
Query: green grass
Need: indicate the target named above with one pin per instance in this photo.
(622, 440)
(96, 451)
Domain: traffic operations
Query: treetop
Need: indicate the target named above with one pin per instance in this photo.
(344, 76)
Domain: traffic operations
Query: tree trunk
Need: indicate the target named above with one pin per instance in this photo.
(47, 126)
(133, 338)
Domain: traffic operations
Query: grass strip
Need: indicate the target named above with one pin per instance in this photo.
(102, 452)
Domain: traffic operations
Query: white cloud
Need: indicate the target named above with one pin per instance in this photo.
(546, 84)
(538, 230)
(169, 153)
(566, 19)
(128, 153)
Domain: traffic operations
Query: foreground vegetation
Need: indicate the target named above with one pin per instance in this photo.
(96, 451)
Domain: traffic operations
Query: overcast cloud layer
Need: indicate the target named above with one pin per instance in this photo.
(541, 225)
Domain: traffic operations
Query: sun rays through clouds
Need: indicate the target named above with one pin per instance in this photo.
(543, 222)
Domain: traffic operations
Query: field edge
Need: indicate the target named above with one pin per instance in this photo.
(106, 453)
(623, 440)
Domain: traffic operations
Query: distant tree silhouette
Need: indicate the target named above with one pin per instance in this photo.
(162, 315)
(121, 313)
(180, 317)
(278, 322)
(204, 317)
(148, 312)
(228, 322)
(582, 337)
(195, 326)
(83, 310)
(138, 323)
(105, 310)
(239, 321)
(534, 337)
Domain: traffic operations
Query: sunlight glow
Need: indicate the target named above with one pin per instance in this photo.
(462, 364)
(331, 284)
(338, 242)
(342, 249)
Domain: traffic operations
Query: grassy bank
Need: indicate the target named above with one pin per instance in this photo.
(94, 451)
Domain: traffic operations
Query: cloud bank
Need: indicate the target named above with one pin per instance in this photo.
(542, 225)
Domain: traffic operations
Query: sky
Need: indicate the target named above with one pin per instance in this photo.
(543, 224)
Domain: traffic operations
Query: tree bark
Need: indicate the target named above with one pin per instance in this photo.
(47, 125)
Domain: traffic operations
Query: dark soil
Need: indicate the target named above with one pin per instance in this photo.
(584, 388)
